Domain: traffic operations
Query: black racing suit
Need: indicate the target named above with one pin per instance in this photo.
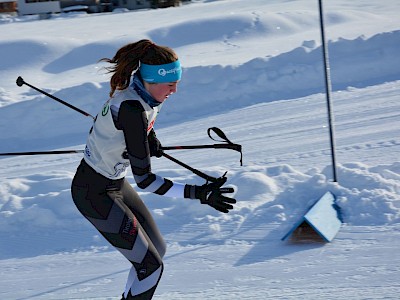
(117, 211)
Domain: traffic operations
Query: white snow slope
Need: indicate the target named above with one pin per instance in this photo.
(254, 69)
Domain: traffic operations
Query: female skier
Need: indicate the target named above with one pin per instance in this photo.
(122, 135)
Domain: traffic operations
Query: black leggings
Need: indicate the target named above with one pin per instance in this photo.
(118, 213)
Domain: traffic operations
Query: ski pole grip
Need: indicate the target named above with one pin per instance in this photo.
(235, 147)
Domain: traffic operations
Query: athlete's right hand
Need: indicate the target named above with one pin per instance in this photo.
(211, 194)
(155, 146)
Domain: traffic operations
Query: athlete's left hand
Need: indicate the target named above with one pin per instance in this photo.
(211, 194)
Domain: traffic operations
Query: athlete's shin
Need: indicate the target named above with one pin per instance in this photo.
(141, 285)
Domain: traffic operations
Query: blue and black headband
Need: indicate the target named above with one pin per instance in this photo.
(170, 72)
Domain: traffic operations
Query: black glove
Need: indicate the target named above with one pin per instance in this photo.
(211, 194)
(154, 145)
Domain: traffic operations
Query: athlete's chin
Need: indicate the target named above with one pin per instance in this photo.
(163, 99)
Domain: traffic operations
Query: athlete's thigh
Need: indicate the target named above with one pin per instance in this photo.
(132, 199)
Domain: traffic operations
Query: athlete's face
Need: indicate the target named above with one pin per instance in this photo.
(161, 91)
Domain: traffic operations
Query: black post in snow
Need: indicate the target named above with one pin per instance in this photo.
(328, 89)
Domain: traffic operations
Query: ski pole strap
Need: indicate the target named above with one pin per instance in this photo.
(228, 145)
(195, 171)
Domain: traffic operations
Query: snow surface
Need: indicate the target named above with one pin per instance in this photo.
(254, 69)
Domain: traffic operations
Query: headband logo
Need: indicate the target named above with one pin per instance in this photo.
(163, 72)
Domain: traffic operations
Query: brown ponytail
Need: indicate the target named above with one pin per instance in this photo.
(126, 61)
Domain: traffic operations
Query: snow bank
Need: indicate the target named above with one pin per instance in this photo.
(204, 90)
(40, 205)
(357, 63)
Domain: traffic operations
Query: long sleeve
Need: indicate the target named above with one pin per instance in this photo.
(133, 121)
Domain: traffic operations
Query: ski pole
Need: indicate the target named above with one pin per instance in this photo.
(20, 82)
(195, 171)
(213, 146)
(202, 175)
(227, 145)
(42, 152)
